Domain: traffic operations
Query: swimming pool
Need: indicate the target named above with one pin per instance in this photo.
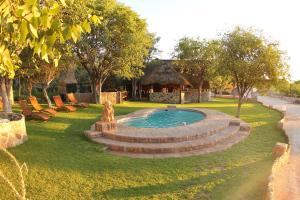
(165, 118)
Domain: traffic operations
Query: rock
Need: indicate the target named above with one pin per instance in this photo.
(234, 123)
(297, 101)
(106, 127)
(280, 149)
(92, 134)
(245, 127)
(280, 124)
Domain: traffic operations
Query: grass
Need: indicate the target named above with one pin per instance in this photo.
(63, 164)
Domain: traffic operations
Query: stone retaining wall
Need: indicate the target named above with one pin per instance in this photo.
(172, 97)
(190, 96)
(12, 130)
(279, 162)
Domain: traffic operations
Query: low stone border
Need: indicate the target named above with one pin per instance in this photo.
(12, 129)
(280, 161)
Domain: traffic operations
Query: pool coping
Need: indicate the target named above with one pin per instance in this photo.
(147, 112)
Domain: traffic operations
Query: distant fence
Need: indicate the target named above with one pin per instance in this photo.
(84, 97)
(113, 97)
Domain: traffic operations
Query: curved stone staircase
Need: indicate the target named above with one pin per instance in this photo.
(210, 136)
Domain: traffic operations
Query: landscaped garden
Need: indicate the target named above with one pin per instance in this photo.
(63, 164)
(95, 59)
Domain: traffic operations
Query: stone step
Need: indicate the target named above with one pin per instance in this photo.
(166, 136)
(184, 146)
(220, 146)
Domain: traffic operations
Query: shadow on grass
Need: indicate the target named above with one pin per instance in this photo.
(204, 182)
(59, 146)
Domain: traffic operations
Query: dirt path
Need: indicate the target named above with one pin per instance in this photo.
(287, 183)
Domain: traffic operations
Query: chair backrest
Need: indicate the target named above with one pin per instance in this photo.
(58, 102)
(25, 108)
(72, 97)
(34, 102)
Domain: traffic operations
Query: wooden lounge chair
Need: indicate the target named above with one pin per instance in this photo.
(28, 113)
(74, 101)
(61, 106)
(35, 104)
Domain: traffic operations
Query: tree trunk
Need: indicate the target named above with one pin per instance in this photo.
(100, 91)
(47, 97)
(94, 90)
(200, 92)
(29, 87)
(5, 92)
(9, 90)
(134, 86)
(19, 89)
(240, 101)
(140, 91)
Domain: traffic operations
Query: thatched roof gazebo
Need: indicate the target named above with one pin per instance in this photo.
(164, 74)
(162, 83)
(67, 82)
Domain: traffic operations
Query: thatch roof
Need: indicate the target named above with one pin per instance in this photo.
(68, 76)
(163, 73)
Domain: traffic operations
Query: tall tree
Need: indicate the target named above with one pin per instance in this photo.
(153, 50)
(153, 53)
(38, 25)
(117, 47)
(251, 60)
(197, 59)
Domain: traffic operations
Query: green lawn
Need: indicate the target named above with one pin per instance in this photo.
(63, 164)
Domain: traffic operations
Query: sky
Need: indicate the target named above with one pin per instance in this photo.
(174, 19)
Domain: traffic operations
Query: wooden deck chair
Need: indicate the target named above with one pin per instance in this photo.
(74, 101)
(28, 113)
(61, 106)
(35, 104)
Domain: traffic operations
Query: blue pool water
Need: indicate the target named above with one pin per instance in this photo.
(165, 119)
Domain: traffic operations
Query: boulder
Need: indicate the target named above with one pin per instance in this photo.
(280, 149)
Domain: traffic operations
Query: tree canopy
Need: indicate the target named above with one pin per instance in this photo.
(197, 59)
(39, 25)
(251, 60)
(117, 47)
